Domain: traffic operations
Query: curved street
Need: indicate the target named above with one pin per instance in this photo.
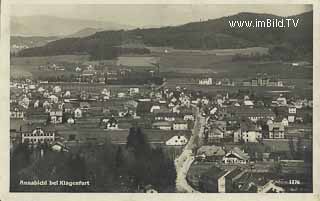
(184, 161)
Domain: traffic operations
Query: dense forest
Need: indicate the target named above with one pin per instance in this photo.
(108, 168)
(211, 34)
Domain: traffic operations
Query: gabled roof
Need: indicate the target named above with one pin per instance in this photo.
(236, 151)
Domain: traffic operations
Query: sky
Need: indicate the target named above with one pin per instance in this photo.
(152, 15)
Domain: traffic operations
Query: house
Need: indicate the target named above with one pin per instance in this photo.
(111, 124)
(133, 91)
(281, 101)
(210, 153)
(41, 89)
(154, 107)
(216, 130)
(285, 122)
(54, 99)
(180, 125)
(271, 187)
(292, 110)
(34, 134)
(162, 125)
(246, 83)
(248, 132)
(56, 89)
(77, 113)
(254, 114)
(248, 103)
(236, 156)
(70, 120)
(177, 140)
(16, 112)
(56, 116)
(78, 69)
(36, 104)
(67, 94)
(276, 130)
(205, 81)
(256, 182)
(254, 82)
(166, 116)
(189, 117)
(59, 147)
(84, 106)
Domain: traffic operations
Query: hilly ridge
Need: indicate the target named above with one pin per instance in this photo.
(210, 34)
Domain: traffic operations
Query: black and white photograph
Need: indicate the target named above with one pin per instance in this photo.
(161, 98)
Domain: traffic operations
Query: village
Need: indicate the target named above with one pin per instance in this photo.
(221, 142)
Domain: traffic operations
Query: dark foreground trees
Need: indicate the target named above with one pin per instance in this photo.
(108, 167)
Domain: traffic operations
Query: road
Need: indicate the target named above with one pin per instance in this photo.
(184, 161)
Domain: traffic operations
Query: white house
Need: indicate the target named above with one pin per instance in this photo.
(154, 107)
(77, 113)
(57, 89)
(187, 117)
(36, 104)
(177, 140)
(270, 186)
(70, 120)
(180, 125)
(133, 91)
(276, 130)
(59, 147)
(121, 95)
(292, 110)
(78, 69)
(41, 89)
(67, 94)
(282, 101)
(37, 135)
(53, 98)
(205, 81)
(248, 133)
(56, 116)
(16, 112)
(285, 122)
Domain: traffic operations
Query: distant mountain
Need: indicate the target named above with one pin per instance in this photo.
(210, 34)
(55, 26)
(84, 32)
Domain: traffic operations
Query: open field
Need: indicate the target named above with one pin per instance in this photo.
(175, 64)
(244, 51)
(28, 66)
